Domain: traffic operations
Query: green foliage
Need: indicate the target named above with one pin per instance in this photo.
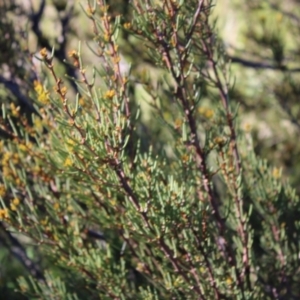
(141, 181)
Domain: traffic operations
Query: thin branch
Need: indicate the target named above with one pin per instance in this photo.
(261, 65)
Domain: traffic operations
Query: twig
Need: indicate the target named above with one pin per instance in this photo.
(261, 65)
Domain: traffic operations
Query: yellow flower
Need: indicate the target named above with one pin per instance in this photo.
(178, 123)
(276, 173)
(185, 158)
(64, 90)
(229, 280)
(116, 59)
(14, 204)
(113, 202)
(68, 162)
(15, 158)
(44, 222)
(15, 111)
(56, 206)
(81, 101)
(4, 214)
(43, 95)
(43, 53)
(22, 147)
(16, 201)
(206, 112)
(106, 37)
(209, 113)
(6, 158)
(38, 124)
(140, 267)
(73, 54)
(127, 25)
(7, 172)
(13, 207)
(2, 190)
(220, 141)
(178, 281)
(110, 94)
(70, 144)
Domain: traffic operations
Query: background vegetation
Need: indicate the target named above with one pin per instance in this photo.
(143, 162)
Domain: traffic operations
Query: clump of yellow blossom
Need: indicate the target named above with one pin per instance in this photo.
(38, 124)
(10, 157)
(68, 162)
(127, 25)
(73, 54)
(106, 36)
(70, 144)
(229, 280)
(178, 123)
(206, 112)
(81, 101)
(4, 214)
(56, 206)
(22, 148)
(2, 190)
(220, 141)
(44, 222)
(109, 94)
(43, 53)
(43, 95)
(15, 110)
(185, 158)
(276, 173)
(14, 204)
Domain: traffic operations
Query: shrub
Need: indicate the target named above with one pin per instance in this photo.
(144, 184)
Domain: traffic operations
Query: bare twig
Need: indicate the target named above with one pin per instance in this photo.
(261, 65)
